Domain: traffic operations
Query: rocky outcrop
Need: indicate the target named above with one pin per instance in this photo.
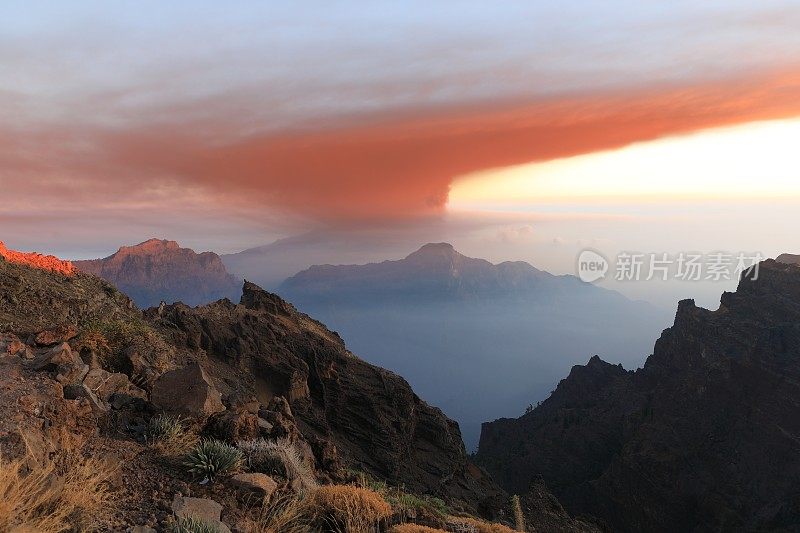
(789, 259)
(36, 260)
(157, 270)
(311, 387)
(186, 391)
(254, 483)
(200, 508)
(263, 348)
(34, 301)
(704, 437)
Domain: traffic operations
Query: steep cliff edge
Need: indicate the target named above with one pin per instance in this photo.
(705, 436)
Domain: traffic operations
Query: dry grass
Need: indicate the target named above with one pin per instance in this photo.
(285, 514)
(414, 528)
(519, 516)
(168, 436)
(348, 509)
(279, 457)
(479, 526)
(70, 493)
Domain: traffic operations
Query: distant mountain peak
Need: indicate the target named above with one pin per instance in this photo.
(151, 246)
(436, 247)
(159, 269)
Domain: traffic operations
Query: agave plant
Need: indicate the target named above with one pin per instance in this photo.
(211, 458)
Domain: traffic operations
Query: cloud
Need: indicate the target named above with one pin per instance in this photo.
(290, 119)
(391, 166)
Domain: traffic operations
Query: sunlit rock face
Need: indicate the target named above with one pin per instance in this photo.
(44, 262)
(160, 270)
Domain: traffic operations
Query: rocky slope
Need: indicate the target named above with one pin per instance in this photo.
(263, 348)
(705, 437)
(79, 359)
(157, 270)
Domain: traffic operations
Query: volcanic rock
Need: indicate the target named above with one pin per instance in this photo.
(254, 483)
(57, 335)
(703, 438)
(371, 415)
(203, 508)
(187, 391)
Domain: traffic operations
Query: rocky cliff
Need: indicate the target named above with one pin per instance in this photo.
(705, 437)
(157, 270)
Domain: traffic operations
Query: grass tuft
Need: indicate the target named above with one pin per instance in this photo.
(414, 528)
(285, 514)
(281, 457)
(348, 509)
(476, 526)
(167, 435)
(191, 524)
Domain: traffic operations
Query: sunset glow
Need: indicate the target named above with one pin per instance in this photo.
(757, 160)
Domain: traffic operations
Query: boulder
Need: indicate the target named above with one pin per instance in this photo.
(50, 337)
(207, 510)
(11, 345)
(56, 356)
(234, 426)
(254, 483)
(104, 384)
(187, 391)
(79, 391)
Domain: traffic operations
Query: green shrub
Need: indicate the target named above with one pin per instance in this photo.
(211, 458)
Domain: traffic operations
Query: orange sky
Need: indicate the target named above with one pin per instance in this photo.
(397, 166)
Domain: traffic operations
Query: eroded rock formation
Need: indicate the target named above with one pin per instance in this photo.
(704, 437)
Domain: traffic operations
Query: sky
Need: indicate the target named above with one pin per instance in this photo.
(520, 130)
